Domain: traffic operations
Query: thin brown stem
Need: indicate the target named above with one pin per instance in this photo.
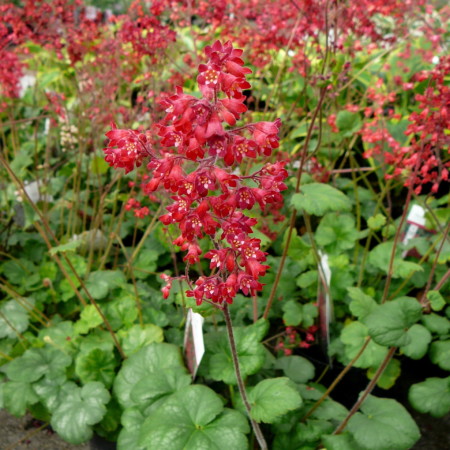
(443, 280)
(240, 381)
(133, 278)
(45, 232)
(280, 268)
(255, 308)
(338, 379)
(294, 211)
(433, 267)
(387, 285)
(367, 391)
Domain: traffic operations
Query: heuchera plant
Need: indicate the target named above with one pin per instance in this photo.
(195, 165)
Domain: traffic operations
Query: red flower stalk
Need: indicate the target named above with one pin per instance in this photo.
(194, 167)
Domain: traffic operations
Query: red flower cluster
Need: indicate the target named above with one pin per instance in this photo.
(273, 25)
(293, 339)
(145, 33)
(194, 166)
(117, 55)
(38, 21)
(126, 148)
(423, 160)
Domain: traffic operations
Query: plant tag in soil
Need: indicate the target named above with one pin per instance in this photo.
(324, 300)
(194, 346)
(415, 227)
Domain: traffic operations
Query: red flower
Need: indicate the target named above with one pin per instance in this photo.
(194, 251)
(192, 128)
(126, 148)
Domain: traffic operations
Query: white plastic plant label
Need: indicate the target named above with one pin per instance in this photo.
(324, 300)
(415, 221)
(194, 346)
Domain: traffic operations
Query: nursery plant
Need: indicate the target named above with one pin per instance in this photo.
(279, 168)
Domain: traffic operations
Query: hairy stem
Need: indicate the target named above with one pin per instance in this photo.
(240, 381)
(337, 379)
(367, 391)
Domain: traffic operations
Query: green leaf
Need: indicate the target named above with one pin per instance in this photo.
(436, 324)
(310, 312)
(353, 337)
(380, 257)
(158, 385)
(80, 408)
(49, 77)
(132, 420)
(307, 279)
(96, 339)
(292, 313)
(60, 334)
(362, 304)
(49, 392)
(109, 426)
(272, 398)
(298, 249)
(18, 272)
(376, 222)
(336, 232)
(440, 354)
(145, 263)
(16, 319)
(348, 123)
(389, 323)
(403, 269)
(251, 353)
(18, 396)
(311, 431)
(138, 336)
(297, 368)
(78, 263)
(431, 396)
(63, 248)
(318, 199)
(342, 441)
(122, 312)
(437, 302)
(155, 361)
(287, 289)
(100, 282)
(97, 365)
(48, 270)
(420, 338)
(36, 362)
(389, 376)
(21, 161)
(89, 318)
(444, 250)
(98, 165)
(194, 419)
(330, 410)
(383, 424)
(310, 391)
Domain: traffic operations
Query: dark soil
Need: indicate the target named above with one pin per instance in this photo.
(23, 434)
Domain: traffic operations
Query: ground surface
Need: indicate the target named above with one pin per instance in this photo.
(12, 430)
(435, 435)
